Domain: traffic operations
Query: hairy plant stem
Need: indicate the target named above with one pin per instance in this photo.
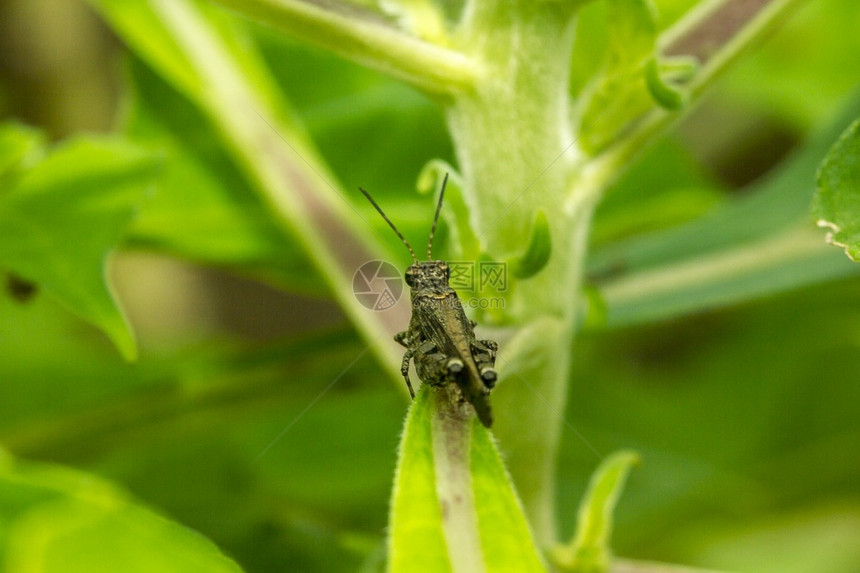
(517, 154)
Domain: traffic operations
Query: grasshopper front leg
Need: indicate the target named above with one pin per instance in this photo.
(400, 338)
(484, 351)
(404, 369)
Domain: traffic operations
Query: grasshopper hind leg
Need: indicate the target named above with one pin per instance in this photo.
(484, 353)
(492, 346)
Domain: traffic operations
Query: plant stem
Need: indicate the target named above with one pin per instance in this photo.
(516, 151)
(365, 38)
(290, 177)
(675, 288)
(518, 154)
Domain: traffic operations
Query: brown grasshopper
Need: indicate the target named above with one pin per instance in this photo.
(441, 339)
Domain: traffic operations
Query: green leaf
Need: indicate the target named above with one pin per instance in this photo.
(227, 401)
(420, 537)
(630, 81)
(589, 550)
(770, 81)
(837, 199)
(663, 93)
(62, 218)
(415, 528)
(57, 519)
(717, 465)
(259, 131)
(506, 539)
(139, 24)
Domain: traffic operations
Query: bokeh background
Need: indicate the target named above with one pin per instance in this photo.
(746, 417)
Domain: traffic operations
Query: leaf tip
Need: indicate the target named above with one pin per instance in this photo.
(665, 94)
(538, 251)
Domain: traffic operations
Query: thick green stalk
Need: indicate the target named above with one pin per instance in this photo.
(517, 154)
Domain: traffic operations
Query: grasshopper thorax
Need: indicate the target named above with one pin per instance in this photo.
(428, 275)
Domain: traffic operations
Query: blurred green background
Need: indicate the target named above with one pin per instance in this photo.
(746, 417)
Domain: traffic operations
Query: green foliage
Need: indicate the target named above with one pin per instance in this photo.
(631, 77)
(588, 551)
(57, 519)
(420, 522)
(205, 209)
(417, 538)
(506, 540)
(282, 452)
(837, 199)
(60, 218)
(748, 247)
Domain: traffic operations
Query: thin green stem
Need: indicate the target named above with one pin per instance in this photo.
(680, 287)
(365, 38)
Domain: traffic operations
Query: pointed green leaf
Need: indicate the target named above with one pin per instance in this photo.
(837, 199)
(506, 539)
(589, 551)
(54, 519)
(663, 93)
(537, 253)
(419, 527)
(61, 219)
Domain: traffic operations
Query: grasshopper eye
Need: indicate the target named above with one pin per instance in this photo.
(410, 277)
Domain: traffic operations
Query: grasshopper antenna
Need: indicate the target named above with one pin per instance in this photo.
(436, 219)
(390, 224)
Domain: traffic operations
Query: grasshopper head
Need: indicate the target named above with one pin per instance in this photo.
(428, 274)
